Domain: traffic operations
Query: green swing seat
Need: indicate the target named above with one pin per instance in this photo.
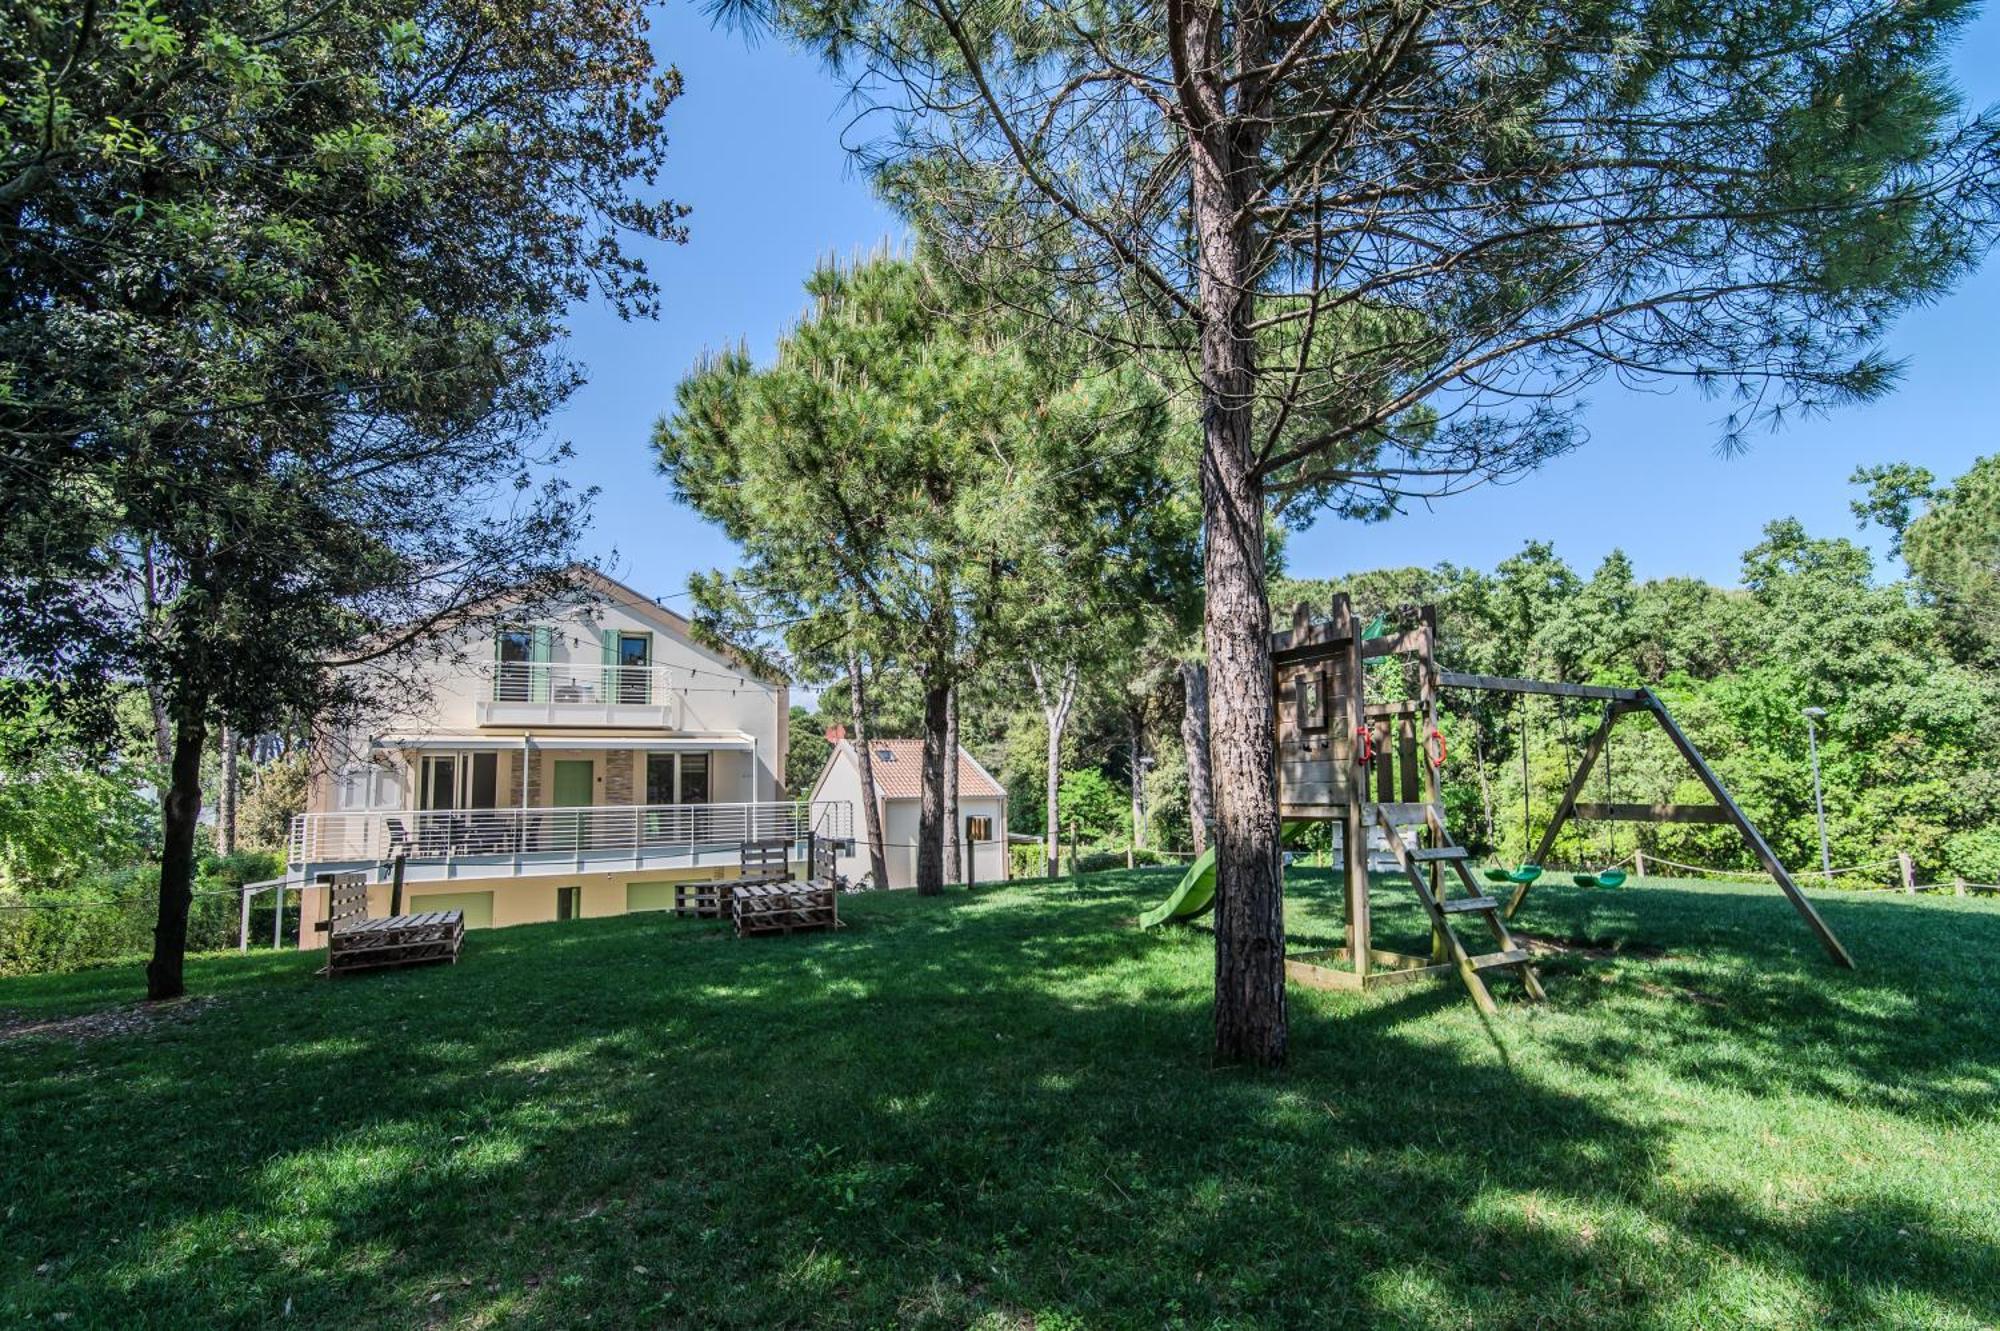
(1522, 874)
(1602, 878)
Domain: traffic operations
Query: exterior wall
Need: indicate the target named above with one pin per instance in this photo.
(900, 822)
(705, 694)
(515, 900)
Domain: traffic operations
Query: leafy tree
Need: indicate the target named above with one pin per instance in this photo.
(912, 490)
(805, 757)
(1954, 550)
(1895, 492)
(66, 806)
(284, 299)
(1463, 214)
(277, 791)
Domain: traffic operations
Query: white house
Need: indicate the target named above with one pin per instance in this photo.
(577, 763)
(898, 770)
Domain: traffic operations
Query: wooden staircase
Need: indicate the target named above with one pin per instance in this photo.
(1447, 948)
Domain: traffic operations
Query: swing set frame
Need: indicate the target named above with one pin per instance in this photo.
(1619, 703)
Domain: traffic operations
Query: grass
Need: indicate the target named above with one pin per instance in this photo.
(997, 1111)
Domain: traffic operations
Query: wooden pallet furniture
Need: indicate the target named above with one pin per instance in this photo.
(783, 908)
(355, 942)
(1373, 765)
(788, 907)
(760, 862)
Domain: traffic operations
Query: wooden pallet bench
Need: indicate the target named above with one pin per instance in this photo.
(354, 942)
(710, 900)
(759, 862)
(783, 908)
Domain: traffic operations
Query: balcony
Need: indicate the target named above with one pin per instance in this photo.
(561, 693)
(450, 843)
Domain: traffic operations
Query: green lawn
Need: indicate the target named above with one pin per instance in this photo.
(998, 1111)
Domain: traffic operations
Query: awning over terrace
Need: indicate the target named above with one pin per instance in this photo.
(461, 743)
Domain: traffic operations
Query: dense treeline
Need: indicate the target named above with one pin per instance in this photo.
(1904, 667)
(1909, 748)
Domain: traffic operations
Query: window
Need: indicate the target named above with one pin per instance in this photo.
(635, 653)
(885, 755)
(694, 778)
(569, 902)
(513, 677)
(978, 829)
(483, 782)
(659, 778)
(440, 787)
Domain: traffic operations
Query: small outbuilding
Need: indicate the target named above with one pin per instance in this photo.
(899, 768)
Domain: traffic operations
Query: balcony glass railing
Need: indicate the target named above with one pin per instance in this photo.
(326, 838)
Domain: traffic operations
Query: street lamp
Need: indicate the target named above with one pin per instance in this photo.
(1811, 715)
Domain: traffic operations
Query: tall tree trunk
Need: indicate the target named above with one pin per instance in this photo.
(954, 842)
(871, 806)
(181, 812)
(1485, 784)
(930, 818)
(1250, 1022)
(163, 729)
(1194, 739)
(1135, 768)
(225, 796)
(1055, 711)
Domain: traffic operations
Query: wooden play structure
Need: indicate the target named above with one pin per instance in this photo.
(355, 942)
(1374, 766)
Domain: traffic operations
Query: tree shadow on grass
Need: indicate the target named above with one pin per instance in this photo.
(984, 1106)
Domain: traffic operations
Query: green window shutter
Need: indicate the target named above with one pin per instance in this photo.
(543, 650)
(610, 637)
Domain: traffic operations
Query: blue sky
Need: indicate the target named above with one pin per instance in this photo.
(756, 151)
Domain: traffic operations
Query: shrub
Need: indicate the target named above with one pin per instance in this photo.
(109, 916)
(1975, 855)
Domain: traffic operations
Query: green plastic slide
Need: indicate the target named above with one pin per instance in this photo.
(1195, 894)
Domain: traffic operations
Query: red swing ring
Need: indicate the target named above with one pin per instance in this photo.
(1434, 748)
(1364, 744)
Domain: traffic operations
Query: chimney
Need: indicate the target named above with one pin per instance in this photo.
(835, 734)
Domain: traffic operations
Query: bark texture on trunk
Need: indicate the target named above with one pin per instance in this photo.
(1194, 739)
(181, 812)
(1136, 760)
(1250, 1024)
(225, 795)
(871, 807)
(1055, 711)
(930, 818)
(954, 848)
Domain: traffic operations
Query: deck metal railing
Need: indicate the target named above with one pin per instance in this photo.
(578, 683)
(423, 834)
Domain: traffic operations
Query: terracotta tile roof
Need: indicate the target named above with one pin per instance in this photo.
(899, 771)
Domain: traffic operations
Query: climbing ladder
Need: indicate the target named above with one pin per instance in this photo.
(1447, 949)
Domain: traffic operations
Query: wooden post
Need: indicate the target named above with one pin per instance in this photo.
(396, 886)
(1909, 871)
(1352, 685)
(243, 928)
(1751, 836)
(1638, 864)
(1072, 848)
(278, 916)
(1958, 885)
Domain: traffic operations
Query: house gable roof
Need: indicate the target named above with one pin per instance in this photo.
(899, 770)
(680, 626)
